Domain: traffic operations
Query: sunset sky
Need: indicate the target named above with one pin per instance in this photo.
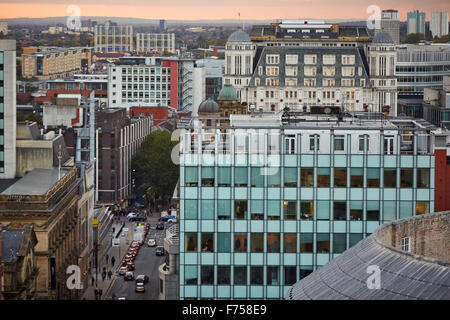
(215, 9)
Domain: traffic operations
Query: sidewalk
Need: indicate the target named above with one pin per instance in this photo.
(116, 252)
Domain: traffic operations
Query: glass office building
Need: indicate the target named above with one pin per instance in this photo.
(271, 198)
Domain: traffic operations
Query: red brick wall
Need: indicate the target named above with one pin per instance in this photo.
(159, 113)
(173, 81)
(442, 182)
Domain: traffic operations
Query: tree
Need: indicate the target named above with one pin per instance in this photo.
(153, 167)
(34, 117)
(167, 53)
(414, 37)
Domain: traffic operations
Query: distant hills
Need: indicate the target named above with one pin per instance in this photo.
(51, 21)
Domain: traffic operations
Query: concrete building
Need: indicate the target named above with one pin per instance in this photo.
(415, 22)
(47, 199)
(275, 196)
(7, 109)
(436, 105)
(162, 26)
(419, 67)
(413, 260)
(4, 27)
(155, 42)
(153, 81)
(439, 24)
(169, 272)
(214, 69)
(390, 23)
(46, 63)
(112, 38)
(18, 260)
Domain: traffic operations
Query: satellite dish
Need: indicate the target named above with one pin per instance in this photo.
(327, 110)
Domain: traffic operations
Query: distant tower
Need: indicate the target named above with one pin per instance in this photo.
(382, 61)
(390, 23)
(162, 26)
(239, 54)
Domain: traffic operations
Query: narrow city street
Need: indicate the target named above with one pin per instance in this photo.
(146, 263)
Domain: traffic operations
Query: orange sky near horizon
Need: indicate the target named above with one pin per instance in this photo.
(197, 12)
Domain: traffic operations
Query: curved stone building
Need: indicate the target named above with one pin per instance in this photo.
(402, 260)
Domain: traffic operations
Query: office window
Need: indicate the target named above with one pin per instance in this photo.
(191, 176)
(406, 244)
(312, 142)
(190, 274)
(290, 275)
(290, 210)
(240, 242)
(373, 177)
(361, 143)
(339, 210)
(223, 209)
(273, 242)
(355, 238)
(257, 242)
(290, 177)
(388, 145)
(207, 242)
(257, 179)
(207, 209)
(389, 210)
(323, 210)
(307, 177)
(338, 143)
(356, 177)
(190, 239)
(290, 144)
(323, 177)
(390, 178)
(291, 59)
(240, 275)
(290, 243)
(356, 210)
(406, 178)
(224, 176)
(223, 274)
(223, 242)
(423, 178)
(339, 242)
(340, 177)
(273, 209)
(273, 276)
(406, 209)
(422, 207)
(306, 243)
(207, 274)
(257, 210)
(190, 209)
(373, 211)
(240, 209)
(256, 275)
(306, 210)
(323, 243)
(274, 178)
(240, 177)
(207, 176)
(305, 271)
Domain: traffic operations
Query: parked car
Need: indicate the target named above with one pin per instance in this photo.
(139, 287)
(142, 278)
(131, 215)
(167, 218)
(160, 251)
(129, 275)
(160, 226)
(130, 266)
(151, 243)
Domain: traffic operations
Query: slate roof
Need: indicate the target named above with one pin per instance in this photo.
(403, 276)
(11, 243)
(383, 37)
(239, 36)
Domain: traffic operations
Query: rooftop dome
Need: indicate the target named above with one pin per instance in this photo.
(382, 37)
(227, 93)
(208, 106)
(422, 272)
(239, 36)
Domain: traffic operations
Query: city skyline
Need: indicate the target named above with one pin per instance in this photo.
(201, 9)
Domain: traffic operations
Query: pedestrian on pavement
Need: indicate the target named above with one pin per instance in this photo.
(109, 274)
(103, 275)
(92, 281)
(107, 258)
(113, 260)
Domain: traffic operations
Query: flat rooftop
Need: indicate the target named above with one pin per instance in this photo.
(36, 183)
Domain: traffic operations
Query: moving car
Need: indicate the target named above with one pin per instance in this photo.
(130, 266)
(123, 270)
(139, 287)
(132, 215)
(128, 275)
(142, 278)
(160, 251)
(167, 218)
(151, 243)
